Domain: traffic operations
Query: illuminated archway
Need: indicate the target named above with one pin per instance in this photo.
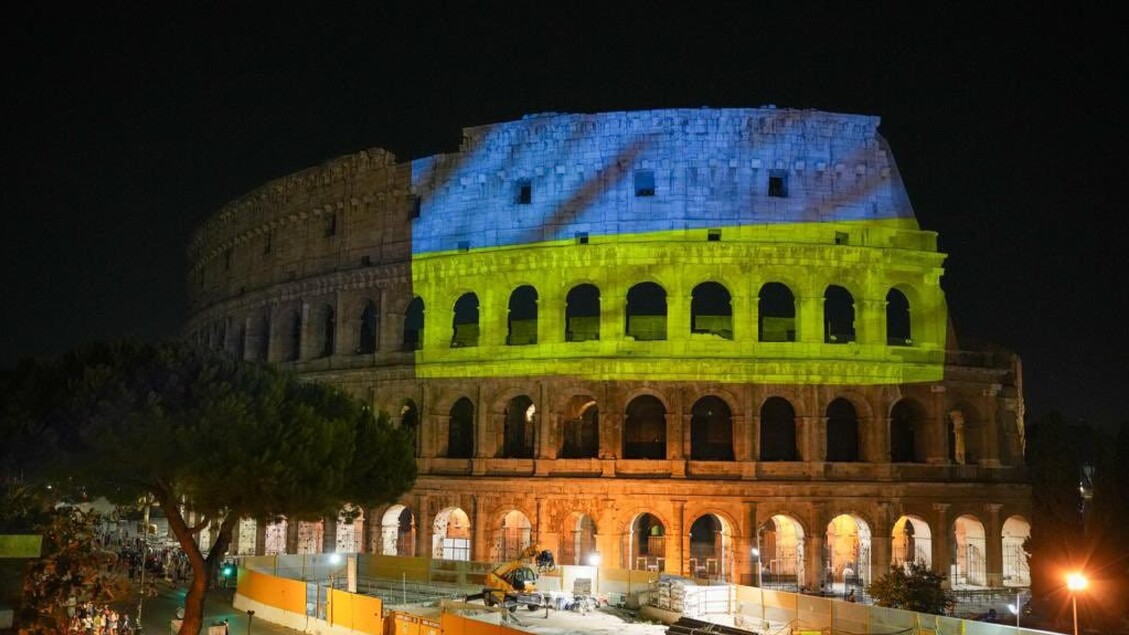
(778, 430)
(514, 534)
(847, 557)
(274, 540)
(518, 428)
(776, 307)
(898, 325)
(1015, 532)
(781, 543)
(646, 312)
(711, 310)
(842, 432)
(464, 325)
(522, 318)
(311, 536)
(646, 544)
(350, 526)
(398, 532)
(838, 315)
(968, 552)
(450, 535)
(460, 430)
(711, 430)
(578, 540)
(644, 429)
(711, 549)
(580, 431)
(582, 314)
(911, 541)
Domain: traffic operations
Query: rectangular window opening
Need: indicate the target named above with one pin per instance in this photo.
(366, 261)
(778, 184)
(464, 246)
(331, 225)
(714, 235)
(417, 207)
(644, 183)
(842, 238)
(524, 193)
(582, 238)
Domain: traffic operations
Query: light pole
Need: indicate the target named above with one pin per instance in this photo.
(757, 561)
(1017, 608)
(594, 560)
(250, 614)
(1075, 582)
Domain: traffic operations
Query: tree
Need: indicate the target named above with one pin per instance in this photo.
(912, 587)
(200, 432)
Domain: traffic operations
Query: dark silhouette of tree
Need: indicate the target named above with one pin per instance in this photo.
(1107, 600)
(911, 587)
(227, 439)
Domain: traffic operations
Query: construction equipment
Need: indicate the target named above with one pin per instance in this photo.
(514, 583)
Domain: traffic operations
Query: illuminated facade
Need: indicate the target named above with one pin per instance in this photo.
(672, 337)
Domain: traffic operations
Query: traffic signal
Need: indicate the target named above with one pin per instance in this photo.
(228, 570)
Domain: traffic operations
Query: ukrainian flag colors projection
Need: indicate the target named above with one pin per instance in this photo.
(751, 245)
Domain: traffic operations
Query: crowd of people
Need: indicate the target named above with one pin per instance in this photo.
(87, 619)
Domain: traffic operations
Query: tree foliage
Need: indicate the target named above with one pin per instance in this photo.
(198, 430)
(912, 587)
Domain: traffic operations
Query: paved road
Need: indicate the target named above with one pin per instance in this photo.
(158, 612)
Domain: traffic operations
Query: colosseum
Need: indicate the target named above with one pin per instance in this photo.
(708, 342)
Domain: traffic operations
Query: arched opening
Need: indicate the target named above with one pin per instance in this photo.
(711, 310)
(897, 319)
(780, 541)
(711, 430)
(518, 428)
(515, 534)
(246, 537)
(293, 349)
(259, 337)
(460, 430)
(646, 544)
(311, 536)
(582, 314)
(450, 535)
(578, 541)
(350, 527)
(241, 346)
(413, 325)
(464, 326)
(367, 336)
(838, 315)
(580, 432)
(644, 431)
(646, 312)
(274, 538)
(710, 552)
(965, 443)
(776, 307)
(398, 532)
(778, 430)
(842, 432)
(911, 542)
(522, 325)
(968, 550)
(1015, 532)
(409, 420)
(847, 557)
(907, 432)
(327, 331)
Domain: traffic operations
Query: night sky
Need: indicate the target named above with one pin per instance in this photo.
(130, 123)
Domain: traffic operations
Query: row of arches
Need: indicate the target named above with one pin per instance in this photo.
(713, 436)
(781, 553)
(646, 311)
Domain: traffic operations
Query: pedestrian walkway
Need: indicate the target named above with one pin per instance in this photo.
(158, 612)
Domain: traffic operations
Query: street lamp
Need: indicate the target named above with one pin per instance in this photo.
(1075, 582)
(1016, 608)
(757, 556)
(594, 559)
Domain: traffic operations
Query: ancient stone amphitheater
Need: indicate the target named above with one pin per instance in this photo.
(710, 342)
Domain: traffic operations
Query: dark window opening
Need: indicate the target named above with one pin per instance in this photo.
(838, 315)
(842, 238)
(646, 312)
(582, 238)
(705, 546)
(464, 246)
(842, 432)
(906, 419)
(328, 331)
(417, 207)
(714, 235)
(366, 261)
(582, 314)
(897, 319)
(648, 549)
(367, 338)
(711, 430)
(460, 430)
(580, 435)
(524, 193)
(778, 184)
(464, 327)
(777, 314)
(522, 319)
(294, 345)
(518, 429)
(644, 183)
(644, 431)
(413, 325)
(711, 310)
(778, 431)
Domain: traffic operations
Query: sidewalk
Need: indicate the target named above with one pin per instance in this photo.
(158, 612)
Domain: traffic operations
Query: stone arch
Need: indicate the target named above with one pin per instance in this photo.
(711, 310)
(521, 319)
(778, 430)
(838, 315)
(292, 336)
(274, 538)
(848, 548)
(644, 428)
(578, 539)
(326, 333)
(513, 534)
(412, 337)
(899, 326)
(965, 434)
(645, 543)
(311, 536)
(464, 324)
(968, 543)
(842, 432)
(776, 309)
(646, 312)
(410, 419)
(1016, 571)
(460, 430)
(258, 336)
(911, 541)
(909, 423)
(711, 547)
(246, 537)
(519, 428)
(711, 430)
(368, 333)
(582, 313)
(580, 428)
(780, 541)
(451, 535)
(398, 531)
(350, 529)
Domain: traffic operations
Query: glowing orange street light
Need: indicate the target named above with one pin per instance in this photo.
(1075, 582)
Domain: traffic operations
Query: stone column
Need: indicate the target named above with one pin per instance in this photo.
(424, 523)
(870, 325)
(743, 319)
(810, 319)
(329, 535)
(550, 319)
(745, 560)
(941, 532)
(938, 442)
(480, 546)
(880, 543)
(260, 538)
(484, 446)
(741, 439)
(677, 550)
(291, 535)
(493, 317)
(993, 546)
(990, 455)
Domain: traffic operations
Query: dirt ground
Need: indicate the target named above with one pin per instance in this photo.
(605, 621)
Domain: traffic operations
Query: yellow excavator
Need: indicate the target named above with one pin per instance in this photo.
(514, 583)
